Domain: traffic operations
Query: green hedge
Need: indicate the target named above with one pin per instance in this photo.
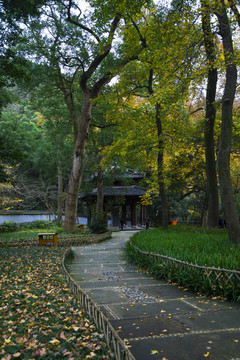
(8, 226)
(98, 226)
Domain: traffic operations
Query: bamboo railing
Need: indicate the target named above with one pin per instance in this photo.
(222, 277)
(120, 349)
(75, 240)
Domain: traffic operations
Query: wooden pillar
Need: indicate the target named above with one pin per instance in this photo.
(124, 213)
(115, 216)
(143, 214)
(105, 212)
(133, 214)
(89, 215)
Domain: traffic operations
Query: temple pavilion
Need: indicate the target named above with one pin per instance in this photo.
(121, 202)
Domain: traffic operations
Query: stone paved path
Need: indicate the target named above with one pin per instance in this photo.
(157, 320)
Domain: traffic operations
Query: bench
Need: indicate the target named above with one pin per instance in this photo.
(47, 239)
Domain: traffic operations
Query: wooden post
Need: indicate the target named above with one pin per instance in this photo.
(133, 214)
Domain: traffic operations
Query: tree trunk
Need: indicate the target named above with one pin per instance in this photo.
(205, 212)
(229, 208)
(212, 186)
(81, 135)
(60, 191)
(161, 184)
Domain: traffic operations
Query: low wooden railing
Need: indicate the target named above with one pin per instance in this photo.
(224, 277)
(74, 240)
(120, 349)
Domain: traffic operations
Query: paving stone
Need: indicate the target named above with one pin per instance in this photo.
(108, 296)
(198, 346)
(147, 327)
(167, 291)
(211, 320)
(141, 310)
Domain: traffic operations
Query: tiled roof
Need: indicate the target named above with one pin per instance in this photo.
(119, 191)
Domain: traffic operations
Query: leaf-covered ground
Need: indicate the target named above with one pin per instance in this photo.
(39, 316)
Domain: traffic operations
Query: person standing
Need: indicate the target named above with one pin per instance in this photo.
(121, 223)
(147, 223)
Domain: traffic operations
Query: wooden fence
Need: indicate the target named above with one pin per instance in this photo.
(118, 346)
(222, 277)
(75, 240)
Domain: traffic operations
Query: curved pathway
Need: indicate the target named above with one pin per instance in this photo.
(157, 320)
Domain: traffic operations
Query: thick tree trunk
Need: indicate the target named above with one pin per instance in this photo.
(81, 135)
(161, 184)
(212, 186)
(229, 208)
(81, 125)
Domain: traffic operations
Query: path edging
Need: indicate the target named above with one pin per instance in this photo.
(120, 349)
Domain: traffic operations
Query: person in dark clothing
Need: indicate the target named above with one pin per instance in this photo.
(221, 223)
(147, 223)
(121, 223)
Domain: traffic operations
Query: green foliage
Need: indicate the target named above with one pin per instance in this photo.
(205, 247)
(38, 139)
(98, 225)
(36, 146)
(37, 224)
(18, 10)
(8, 226)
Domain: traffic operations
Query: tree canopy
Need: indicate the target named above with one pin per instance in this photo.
(140, 84)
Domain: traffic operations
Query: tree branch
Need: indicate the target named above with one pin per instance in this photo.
(235, 10)
(195, 111)
(102, 126)
(101, 56)
(150, 82)
(109, 75)
(142, 39)
(77, 23)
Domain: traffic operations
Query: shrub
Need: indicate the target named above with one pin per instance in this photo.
(8, 226)
(98, 225)
(37, 224)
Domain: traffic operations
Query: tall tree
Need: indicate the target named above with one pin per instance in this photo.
(160, 157)
(159, 80)
(229, 208)
(211, 172)
(82, 54)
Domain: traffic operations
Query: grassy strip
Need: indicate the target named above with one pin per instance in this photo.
(209, 248)
(39, 316)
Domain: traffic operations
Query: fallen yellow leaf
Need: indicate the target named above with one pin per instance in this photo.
(7, 341)
(75, 328)
(17, 354)
(154, 352)
(206, 355)
(54, 341)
